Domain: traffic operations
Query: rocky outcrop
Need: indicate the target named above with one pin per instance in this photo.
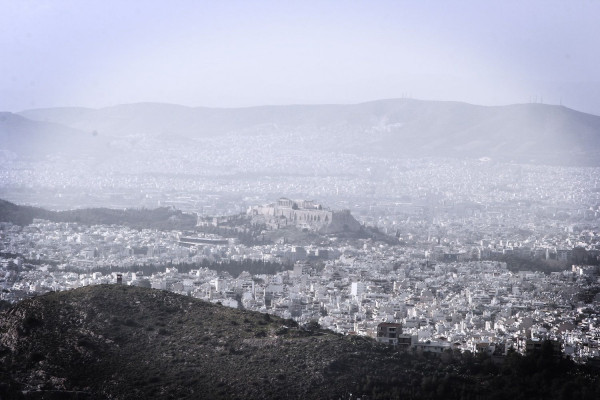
(305, 214)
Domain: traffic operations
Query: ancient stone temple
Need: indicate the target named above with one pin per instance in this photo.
(305, 214)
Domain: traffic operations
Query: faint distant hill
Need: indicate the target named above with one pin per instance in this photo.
(158, 218)
(393, 128)
(31, 138)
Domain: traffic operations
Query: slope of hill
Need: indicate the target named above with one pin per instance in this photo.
(158, 218)
(20, 215)
(125, 342)
(35, 138)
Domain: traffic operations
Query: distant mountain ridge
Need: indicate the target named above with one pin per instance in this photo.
(36, 138)
(391, 128)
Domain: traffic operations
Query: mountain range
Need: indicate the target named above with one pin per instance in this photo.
(389, 128)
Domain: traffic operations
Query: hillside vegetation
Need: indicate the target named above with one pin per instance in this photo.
(159, 218)
(122, 342)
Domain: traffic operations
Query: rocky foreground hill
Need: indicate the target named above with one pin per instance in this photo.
(123, 342)
(127, 342)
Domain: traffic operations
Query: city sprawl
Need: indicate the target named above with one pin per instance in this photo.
(476, 255)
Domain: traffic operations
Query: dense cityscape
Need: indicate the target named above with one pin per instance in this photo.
(471, 255)
(300, 200)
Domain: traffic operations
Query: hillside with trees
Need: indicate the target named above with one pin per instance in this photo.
(162, 218)
(124, 342)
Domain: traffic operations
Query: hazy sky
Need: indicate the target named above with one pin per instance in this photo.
(244, 53)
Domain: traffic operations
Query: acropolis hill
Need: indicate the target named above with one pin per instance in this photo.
(305, 214)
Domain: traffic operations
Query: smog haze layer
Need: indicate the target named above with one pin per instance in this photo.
(232, 54)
